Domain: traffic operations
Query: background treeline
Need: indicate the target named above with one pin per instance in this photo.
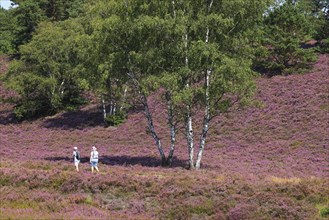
(203, 54)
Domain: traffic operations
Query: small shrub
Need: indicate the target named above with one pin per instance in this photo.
(325, 107)
(88, 200)
(58, 180)
(114, 120)
(323, 211)
(74, 103)
(296, 144)
(203, 209)
(324, 46)
(178, 212)
(5, 180)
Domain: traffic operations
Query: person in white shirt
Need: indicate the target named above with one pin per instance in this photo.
(76, 158)
(94, 159)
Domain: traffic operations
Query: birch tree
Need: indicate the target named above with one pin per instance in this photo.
(197, 51)
(215, 56)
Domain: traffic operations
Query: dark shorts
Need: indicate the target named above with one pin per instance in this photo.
(93, 163)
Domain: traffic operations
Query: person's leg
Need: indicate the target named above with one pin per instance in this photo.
(96, 166)
(76, 166)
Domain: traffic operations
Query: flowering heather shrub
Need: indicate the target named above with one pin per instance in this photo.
(242, 211)
(133, 192)
(259, 163)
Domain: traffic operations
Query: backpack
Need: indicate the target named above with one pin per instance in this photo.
(77, 155)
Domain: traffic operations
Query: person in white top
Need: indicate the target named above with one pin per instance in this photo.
(94, 159)
(76, 158)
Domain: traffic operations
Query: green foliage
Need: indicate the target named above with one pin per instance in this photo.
(324, 46)
(324, 212)
(6, 34)
(319, 10)
(30, 13)
(179, 212)
(206, 208)
(115, 119)
(75, 102)
(63, 52)
(151, 44)
(35, 95)
(47, 77)
(285, 28)
(89, 200)
(174, 46)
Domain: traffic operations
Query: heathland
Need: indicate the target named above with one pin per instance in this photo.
(265, 162)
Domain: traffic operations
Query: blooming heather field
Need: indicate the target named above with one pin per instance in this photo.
(270, 162)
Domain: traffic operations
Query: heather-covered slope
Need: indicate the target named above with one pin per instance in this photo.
(288, 136)
(259, 163)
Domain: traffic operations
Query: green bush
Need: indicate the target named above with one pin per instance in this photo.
(114, 120)
(324, 46)
(285, 29)
(75, 102)
(324, 212)
(35, 96)
(178, 212)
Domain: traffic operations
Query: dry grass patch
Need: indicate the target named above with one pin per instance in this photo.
(293, 180)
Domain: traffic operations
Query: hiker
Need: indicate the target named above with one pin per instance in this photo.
(94, 159)
(76, 158)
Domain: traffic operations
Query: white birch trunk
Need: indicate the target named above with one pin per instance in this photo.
(206, 121)
(110, 97)
(152, 129)
(188, 120)
(170, 112)
(62, 87)
(146, 109)
(173, 4)
(206, 118)
(54, 87)
(190, 137)
(104, 108)
(111, 107)
(148, 117)
(172, 130)
(114, 108)
(124, 98)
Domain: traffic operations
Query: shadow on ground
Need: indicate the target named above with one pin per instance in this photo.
(7, 117)
(75, 120)
(58, 158)
(125, 161)
(142, 161)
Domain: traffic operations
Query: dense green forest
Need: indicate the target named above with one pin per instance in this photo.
(202, 54)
